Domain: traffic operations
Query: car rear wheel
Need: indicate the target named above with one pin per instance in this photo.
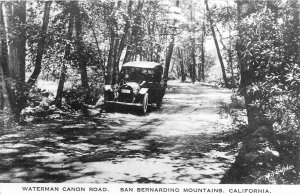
(158, 104)
(145, 104)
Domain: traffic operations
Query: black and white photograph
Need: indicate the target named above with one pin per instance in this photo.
(150, 92)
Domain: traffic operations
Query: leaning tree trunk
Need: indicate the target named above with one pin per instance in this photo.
(40, 46)
(14, 20)
(217, 46)
(63, 70)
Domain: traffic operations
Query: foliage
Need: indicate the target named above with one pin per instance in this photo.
(271, 63)
(235, 111)
(77, 97)
(38, 104)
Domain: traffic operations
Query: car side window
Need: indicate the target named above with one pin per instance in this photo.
(157, 75)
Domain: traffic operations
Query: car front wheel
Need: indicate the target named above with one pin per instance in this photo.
(158, 104)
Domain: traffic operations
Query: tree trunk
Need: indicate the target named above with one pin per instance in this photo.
(202, 58)
(110, 65)
(2, 84)
(230, 63)
(133, 48)
(120, 44)
(203, 51)
(199, 72)
(217, 46)
(80, 48)
(14, 20)
(115, 73)
(126, 29)
(230, 60)
(61, 83)
(181, 62)
(2, 78)
(111, 23)
(99, 50)
(4, 100)
(193, 67)
(168, 60)
(229, 53)
(40, 46)
(193, 42)
(63, 70)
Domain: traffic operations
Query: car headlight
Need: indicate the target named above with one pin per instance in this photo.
(108, 88)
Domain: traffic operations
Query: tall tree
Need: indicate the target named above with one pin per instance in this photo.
(217, 45)
(193, 44)
(112, 25)
(15, 20)
(80, 47)
(133, 45)
(63, 70)
(2, 79)
(168, 59)
(203, 51)
(181, 62)
(229, 54)
(40, 46)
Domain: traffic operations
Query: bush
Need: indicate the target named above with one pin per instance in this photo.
(77, 97)
(38, 104)
(270, 55)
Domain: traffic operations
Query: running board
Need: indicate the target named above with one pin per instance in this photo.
(123, 103)
(128, 103)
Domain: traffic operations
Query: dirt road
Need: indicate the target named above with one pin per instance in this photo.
(177, 144)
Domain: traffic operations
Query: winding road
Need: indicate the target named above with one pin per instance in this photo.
(180, 143)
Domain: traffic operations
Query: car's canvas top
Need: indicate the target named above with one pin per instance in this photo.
(142, 64)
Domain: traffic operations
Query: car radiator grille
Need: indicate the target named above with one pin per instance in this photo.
(126, 97)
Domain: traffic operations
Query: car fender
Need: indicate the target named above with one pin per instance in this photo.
(143, 91)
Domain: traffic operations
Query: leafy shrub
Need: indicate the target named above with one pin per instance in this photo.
(235, 111)
(77, 97)
(39, 104)
(271, 62)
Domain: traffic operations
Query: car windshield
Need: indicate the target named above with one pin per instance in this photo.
(137, 74)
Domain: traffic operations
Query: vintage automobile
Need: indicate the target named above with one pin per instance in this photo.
(139, 85)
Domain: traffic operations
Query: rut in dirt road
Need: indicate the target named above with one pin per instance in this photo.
(177, 144)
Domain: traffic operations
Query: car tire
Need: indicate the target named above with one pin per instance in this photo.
(108, 107)
(158, 104)
(144, 104)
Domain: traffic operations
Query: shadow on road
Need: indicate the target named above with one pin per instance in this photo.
(179, 143)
